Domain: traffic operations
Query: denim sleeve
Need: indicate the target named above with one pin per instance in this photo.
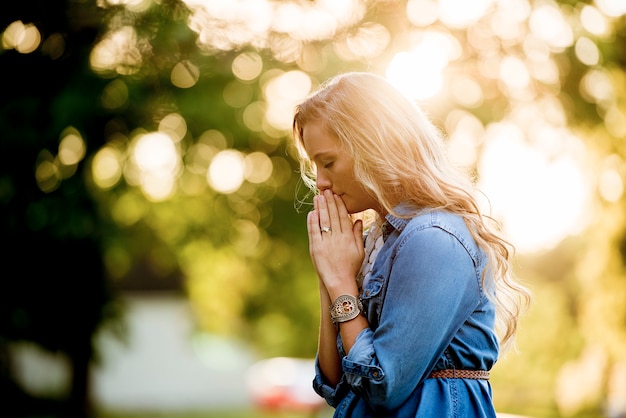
(432, 289)
(332, 395)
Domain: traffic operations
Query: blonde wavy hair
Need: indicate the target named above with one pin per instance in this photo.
(400, 156)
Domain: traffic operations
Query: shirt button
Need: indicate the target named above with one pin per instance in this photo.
(375, 374)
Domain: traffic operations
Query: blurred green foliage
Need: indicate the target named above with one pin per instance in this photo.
(115, 71)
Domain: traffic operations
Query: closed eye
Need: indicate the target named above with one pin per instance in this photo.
(329, 165)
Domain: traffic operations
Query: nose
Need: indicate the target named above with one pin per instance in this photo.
(322, 182)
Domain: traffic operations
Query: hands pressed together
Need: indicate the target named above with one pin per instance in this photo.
(335, 244)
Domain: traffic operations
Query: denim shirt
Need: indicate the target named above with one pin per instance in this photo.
(427, 311)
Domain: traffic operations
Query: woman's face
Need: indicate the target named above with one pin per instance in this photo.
(335, 168)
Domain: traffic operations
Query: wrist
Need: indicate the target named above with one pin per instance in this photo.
(345, 308)
(346, 287)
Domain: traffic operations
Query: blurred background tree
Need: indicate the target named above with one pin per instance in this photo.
(150, 140)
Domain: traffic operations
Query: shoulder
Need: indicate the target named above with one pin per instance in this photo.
(433, 226)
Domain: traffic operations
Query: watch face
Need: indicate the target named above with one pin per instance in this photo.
(344, 308)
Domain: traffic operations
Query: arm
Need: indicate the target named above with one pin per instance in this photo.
(337, 257)
(327, 354)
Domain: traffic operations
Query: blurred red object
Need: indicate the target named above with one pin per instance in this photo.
(284, 383)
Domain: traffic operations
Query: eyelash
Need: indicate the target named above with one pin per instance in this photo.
(328, 165)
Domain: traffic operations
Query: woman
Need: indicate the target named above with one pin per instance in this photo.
(408, 308)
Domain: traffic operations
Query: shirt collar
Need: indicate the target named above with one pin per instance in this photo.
(407, 211)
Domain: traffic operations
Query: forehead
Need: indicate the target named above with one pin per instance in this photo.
(317, 141)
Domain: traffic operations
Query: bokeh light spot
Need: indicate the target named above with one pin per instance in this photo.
(185, 74)
(72, 147)
(593, 21)
(47, 172)
(237, 94)
(369, 41)
(462, 13)
(226, 172)
(247, 66)
(114, 95)
(596, 86)
(422, 12)
(24, 38)
(158, 163)
(282, 93)
(253, 116)
(174, 126)
(54, 46)
(258, 167)
(587, 51)
(547, 22)
(467, 92)
(612, 8)
(514, 73)
(117, 52)
(106, 167)
(611, 185)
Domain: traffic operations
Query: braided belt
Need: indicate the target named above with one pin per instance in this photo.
(460, 374)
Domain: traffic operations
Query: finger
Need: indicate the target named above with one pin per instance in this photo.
(333, 212)
(313, 224)
(357, 230)
(323, 213)
(314, 232)
(342, 214)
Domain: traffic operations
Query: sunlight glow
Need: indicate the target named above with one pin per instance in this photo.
(549, 24)
(465, 135)
(419, 71)
(539, 197)
(462, 13)
(369, 41)
(227, 25)
(282, 93)
(422, 12)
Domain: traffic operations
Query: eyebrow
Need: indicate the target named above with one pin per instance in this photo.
(323, 154)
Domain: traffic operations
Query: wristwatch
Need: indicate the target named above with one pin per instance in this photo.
(345, 308)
